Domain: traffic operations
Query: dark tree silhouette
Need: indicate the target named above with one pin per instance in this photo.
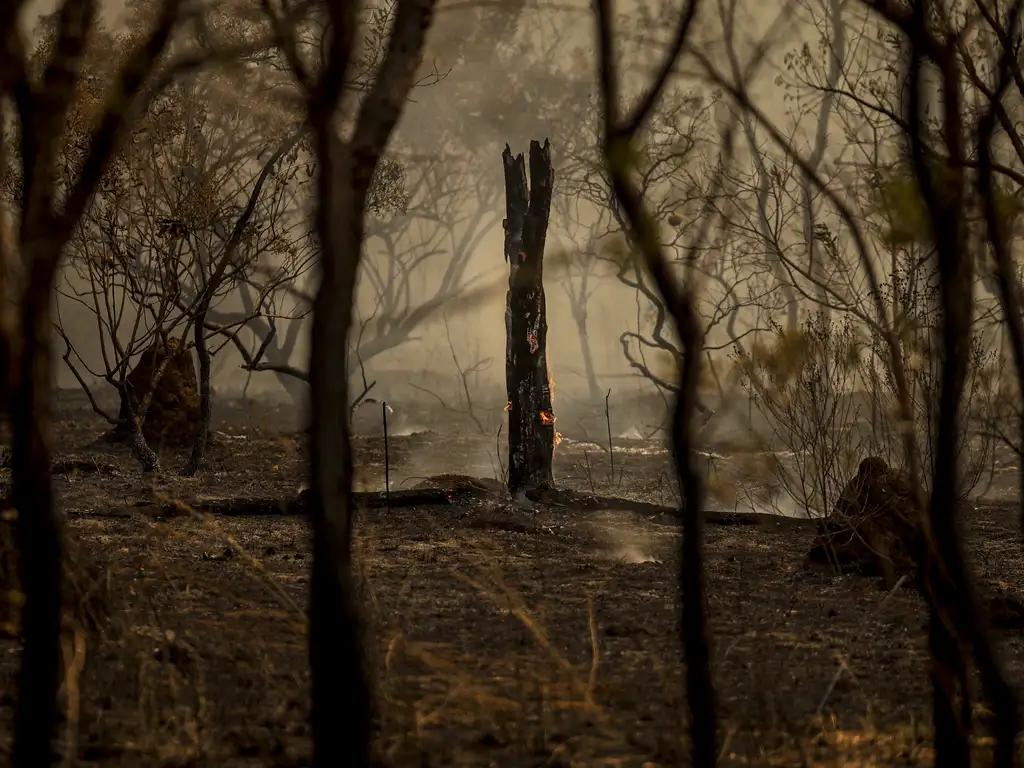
(341, 707)
(956, 627)
(50, 209)
(531, 421)
(679, 300)
(933, 118)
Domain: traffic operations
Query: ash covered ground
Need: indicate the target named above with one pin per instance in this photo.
(497, 635)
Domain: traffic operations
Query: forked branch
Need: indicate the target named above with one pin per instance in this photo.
(679, 300)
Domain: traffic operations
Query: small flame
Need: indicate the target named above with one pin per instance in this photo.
(558, 438)
(509, 406)
(546, 417)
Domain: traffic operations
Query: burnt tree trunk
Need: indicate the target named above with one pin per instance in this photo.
(39, 535)
(531, 420)
(205, 397)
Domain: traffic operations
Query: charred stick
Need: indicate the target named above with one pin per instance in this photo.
(608, 424)
(387, 458)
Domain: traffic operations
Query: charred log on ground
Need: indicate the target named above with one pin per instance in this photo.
(448, 490)
(531, 421)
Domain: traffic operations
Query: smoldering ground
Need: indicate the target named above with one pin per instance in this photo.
(497, 633)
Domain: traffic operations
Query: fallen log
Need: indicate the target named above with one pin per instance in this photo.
(276, 507)
(440, 491)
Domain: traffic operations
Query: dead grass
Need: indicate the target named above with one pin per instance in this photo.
(434, 688)
(549, 645)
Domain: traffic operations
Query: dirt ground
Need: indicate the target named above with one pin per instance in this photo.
(499, 636)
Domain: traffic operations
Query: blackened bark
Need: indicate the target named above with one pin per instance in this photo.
(957, 626)
(132, 416)
(341, 695)
(149, 462)
(205, 398)
(39, 537)
(342, 702)
(227, 258)
(531, 420)
(696, 638)
(951, 701)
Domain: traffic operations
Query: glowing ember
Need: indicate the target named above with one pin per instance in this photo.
(532, 341)
(509, 406)
(558, 438)
(546, 417)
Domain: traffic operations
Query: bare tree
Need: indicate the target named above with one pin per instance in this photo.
(931, 41)
(932, 122)
(451, 210)
(50, 208)
(345, 173)
(421, 238)
(582, 281)
(180, 219)
(674, 169)
(267, 330)
(619, 133)
(804, 384)
(860, 90)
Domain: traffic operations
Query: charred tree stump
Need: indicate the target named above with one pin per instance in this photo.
(531, 421)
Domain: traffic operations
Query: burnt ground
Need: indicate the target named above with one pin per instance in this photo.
(498, 635)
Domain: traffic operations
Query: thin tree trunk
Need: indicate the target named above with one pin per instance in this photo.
(342, 702)
(679, 302)
(950, 699)
(341, 697)
(531, 420)
(618, 136)
(39, 536)
(593, 391)
(213, 283)
(695, 634)
(44, 230)
(1005, 700)
(132, 415)
(149, 462)
(957, 626)
(205, 398)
